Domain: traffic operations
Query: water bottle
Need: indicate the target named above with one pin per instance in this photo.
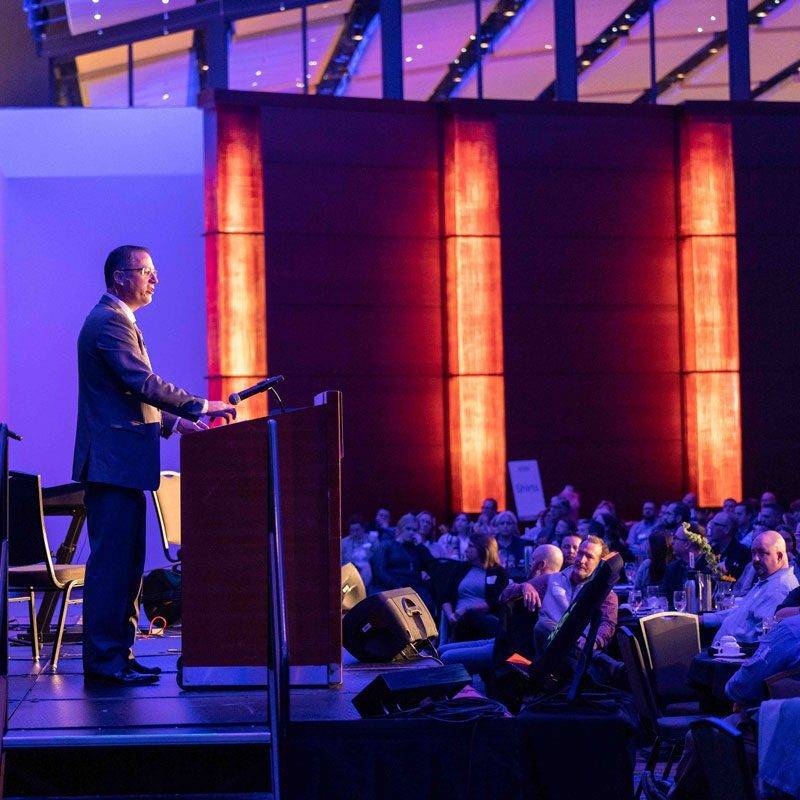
(690, 587)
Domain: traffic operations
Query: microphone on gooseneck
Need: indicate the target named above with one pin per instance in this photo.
(256, 388)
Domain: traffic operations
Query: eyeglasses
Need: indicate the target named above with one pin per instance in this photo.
(145, 272)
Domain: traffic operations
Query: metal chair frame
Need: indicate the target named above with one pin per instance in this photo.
(168, 536)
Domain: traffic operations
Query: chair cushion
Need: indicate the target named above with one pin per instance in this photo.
(36, 576)
(682, 709)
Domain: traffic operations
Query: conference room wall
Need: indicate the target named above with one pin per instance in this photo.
(351, 195)
(590, 295)
(767, 177)
(86, 182)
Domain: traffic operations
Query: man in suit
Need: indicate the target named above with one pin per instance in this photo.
(123, 408)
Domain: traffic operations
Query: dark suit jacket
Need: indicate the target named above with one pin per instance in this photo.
(120, 403)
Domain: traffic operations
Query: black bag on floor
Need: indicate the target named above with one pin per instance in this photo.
(161, 594)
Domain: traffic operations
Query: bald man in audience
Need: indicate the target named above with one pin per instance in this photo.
(774, 581)
(547, 558)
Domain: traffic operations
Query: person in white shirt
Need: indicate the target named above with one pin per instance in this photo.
(774, 581)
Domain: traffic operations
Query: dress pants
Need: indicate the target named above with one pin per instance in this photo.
(116, 522)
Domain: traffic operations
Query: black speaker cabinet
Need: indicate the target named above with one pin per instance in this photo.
(387, 625)
(353, 589)
(402, 689)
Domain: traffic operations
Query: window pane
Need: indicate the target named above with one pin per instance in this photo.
(164, 71)
(103, 77)
(773, 47)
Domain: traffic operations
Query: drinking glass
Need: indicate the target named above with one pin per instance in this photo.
(630, 572)
(679, 600)
(651, 597)
(662, 603)
(635, 600)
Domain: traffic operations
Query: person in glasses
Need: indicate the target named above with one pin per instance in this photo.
(123, 408)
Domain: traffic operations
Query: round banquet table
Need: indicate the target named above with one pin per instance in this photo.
(708, 676)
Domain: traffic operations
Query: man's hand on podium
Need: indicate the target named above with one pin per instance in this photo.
(187, 426)
(219, 408)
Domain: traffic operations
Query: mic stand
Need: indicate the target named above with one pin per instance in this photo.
(278, 398)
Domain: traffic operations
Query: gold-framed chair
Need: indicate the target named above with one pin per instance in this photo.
(167, 503)
(31, 566)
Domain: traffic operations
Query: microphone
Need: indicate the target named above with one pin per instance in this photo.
(256, 388)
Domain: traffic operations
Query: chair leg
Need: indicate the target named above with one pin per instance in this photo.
(674, 751)
(34, 628)
(650, 766)
(62, 621)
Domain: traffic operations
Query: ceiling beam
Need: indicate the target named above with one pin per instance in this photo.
(779, 77)
(499, 21)
(63, 45)
(358, 27)
(710, 49)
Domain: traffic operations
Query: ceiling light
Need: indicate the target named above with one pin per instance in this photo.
(254, 83)
(548, 47)
(419, 47)
(586, 62)
(509, 13)
(713, 51)
(614, 29)
(95, 1)
(699, 30)
(98, 16)
(205, 67)
(312, 63)
(761, 14)
(165, 2)
(713, 18)
(258, 73)
(627, 16)
(409, 59)
(456, 79)
(624, 27)
(299, 84)
(313, 40)
(603, 40)
(472, 37)
(484, 45)
(680, 76)
(165, 96)
(357, 37)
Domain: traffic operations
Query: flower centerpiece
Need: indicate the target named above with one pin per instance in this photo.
(704, 546)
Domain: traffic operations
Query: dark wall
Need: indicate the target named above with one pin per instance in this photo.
(590, 294)
(354, 288)
(24, 76)
(767, 180)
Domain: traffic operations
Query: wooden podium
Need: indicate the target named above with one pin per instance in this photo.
(242, 485)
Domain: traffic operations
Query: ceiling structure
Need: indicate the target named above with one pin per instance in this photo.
(266, 51)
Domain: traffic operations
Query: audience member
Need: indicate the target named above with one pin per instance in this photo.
(511, 547)
(744, 519)
(474, 590)
(675, 514)
(615, 535)
(733, 556)
(775, 581)
(640, 531)
(427, 534)
(456, 540)
(659, 554)
(569, 548)
(769, 498)
(357, 548)
(685, 553)
(547, 558)
(770, 516)
(690, 501)
(383, 525)
(728, 505)
(401, 562)
(569, 494)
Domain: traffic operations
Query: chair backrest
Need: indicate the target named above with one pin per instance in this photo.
(638, 678)
(671, 640)
(722, 759)
(167, 502)
(27, 537)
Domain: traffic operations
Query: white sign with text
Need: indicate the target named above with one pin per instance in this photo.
(526, 484)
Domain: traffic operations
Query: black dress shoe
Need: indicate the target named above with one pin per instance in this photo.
(125, 677)
(141, 669)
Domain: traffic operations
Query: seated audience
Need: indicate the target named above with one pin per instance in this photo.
(790, 538)
(684, 552)
(456, 540)
(510, 545)
(383, 525)
(675, 514)
(427, 534)
(569, 549)
(546, 559)
(659, 554)
(641, 530)
(357, 548)
(569, 494)
(770, 516)
(474, 591)
(728, 505)
(564, 527)
(401, 562)
(733, 556)
(745, 516)
(615, 535)
(555, 592)
(774, 582)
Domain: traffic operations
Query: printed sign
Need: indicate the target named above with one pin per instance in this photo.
(527, 486)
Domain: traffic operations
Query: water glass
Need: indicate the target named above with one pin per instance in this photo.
(679, 600)
(651, 597)
(630, 572)
(662, 603)
(635, 600)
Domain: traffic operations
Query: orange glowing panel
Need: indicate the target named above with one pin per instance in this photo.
(709, 312)
(474, 313)
(235, 261)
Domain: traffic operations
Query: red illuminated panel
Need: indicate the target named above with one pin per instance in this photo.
(476, 401)
(235, 266)
(709, 312)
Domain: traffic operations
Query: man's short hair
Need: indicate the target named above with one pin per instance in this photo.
(681, 511)
(591, 538)
(123, 257)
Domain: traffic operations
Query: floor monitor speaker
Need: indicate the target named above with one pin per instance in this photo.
(353, 589)
(387, 625)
